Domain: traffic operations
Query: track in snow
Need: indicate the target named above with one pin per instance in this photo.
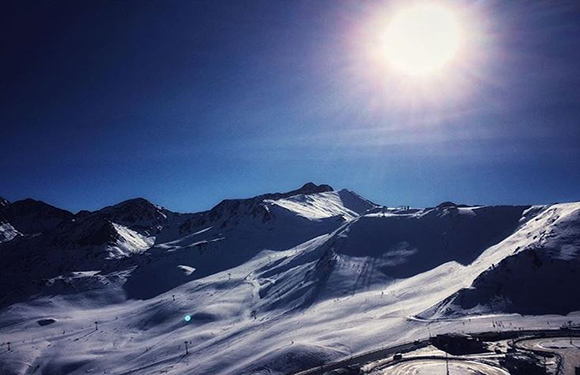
(426, 366)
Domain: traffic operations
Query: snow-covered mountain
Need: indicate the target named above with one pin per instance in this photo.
(538, 270)
(235, 231)
(271, 284)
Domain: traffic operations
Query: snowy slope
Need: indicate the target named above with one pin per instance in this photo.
(56, 243)
(276, 283)
(539, 274)
(343, 203)
(235, 231)
(226, 236)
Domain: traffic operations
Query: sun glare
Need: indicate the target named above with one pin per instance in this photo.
(423, 39)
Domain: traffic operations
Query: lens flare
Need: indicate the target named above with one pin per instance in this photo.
(422, 39)
(187, 318)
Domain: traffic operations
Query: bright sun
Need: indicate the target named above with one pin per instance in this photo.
(423, 39)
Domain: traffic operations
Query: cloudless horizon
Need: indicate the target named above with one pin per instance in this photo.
(186, 103)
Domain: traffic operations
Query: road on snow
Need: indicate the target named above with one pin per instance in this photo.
(431, 366)
(572, 357)
(567, 348)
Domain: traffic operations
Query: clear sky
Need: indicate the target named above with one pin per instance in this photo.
(189, 102)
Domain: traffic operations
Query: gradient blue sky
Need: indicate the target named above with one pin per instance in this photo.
(189, 102)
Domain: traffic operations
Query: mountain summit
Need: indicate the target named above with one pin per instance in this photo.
(31, 216)
(310, 188)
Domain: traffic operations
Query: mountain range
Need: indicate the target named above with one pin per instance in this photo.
(271, 284)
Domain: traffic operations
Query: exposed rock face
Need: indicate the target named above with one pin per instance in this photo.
(4, 202)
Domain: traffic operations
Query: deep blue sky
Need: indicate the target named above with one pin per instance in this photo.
(189, 102)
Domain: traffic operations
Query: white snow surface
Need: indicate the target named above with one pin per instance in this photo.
(8, 232)
(343, 203)
(320, 279)
(129, 241)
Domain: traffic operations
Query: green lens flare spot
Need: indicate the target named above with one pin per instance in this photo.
(187, 318)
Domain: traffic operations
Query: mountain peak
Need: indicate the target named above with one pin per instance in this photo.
(355, 202)
(133, 206)
(30, 204)
(136, 202)
(33, 216)
(136, 211)
(307, 188)
(312, 188)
